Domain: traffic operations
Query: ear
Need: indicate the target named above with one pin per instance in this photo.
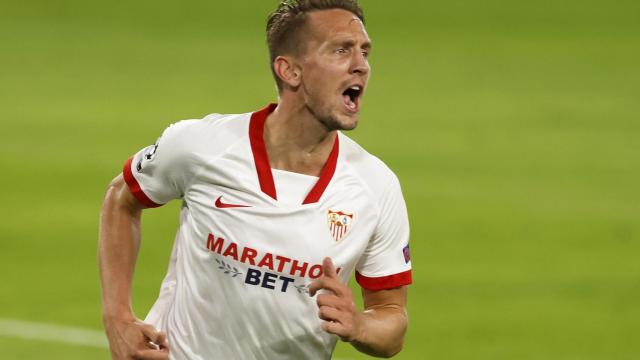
(288, 70)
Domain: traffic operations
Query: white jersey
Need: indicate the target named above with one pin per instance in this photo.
(238, 277)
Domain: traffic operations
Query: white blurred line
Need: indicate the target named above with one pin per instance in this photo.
(52, 332)
(57, 333)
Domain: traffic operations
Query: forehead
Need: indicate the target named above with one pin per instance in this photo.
(326, 25)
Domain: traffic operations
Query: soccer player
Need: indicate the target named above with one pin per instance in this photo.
(279, 209)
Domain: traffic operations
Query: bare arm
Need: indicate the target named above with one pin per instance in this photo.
(129, 338)
(378, 331)
(118, 248)
(384, 322)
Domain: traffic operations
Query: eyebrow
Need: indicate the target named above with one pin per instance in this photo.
(350, 43)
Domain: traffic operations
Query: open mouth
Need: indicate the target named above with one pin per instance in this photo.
(351, 97)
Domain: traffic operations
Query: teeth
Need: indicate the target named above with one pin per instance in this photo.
(355, 87)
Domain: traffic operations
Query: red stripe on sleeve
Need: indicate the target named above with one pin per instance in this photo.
(135, 188)
(384, 282)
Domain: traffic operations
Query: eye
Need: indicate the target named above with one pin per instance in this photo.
(341, 51)
(365, 54)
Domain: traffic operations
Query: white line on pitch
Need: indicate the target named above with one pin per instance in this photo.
(57, 333)
(52, 332)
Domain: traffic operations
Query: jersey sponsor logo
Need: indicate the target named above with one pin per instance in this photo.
(339, 224)
(407, 255)
(264, 269)
(221, 205)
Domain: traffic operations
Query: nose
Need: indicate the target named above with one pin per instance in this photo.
(360, 64)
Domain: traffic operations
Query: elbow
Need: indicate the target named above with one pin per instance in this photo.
(393, 351)
(394, 346)
(386, 350)
(397, 345)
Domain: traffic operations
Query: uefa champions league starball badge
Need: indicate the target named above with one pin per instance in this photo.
(339, 223)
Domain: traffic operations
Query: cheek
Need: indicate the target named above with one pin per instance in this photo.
(321, 83)
(322, 78)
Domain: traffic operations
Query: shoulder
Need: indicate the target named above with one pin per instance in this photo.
(191, 142)
(214, 132)
(210, 125)
(369, 169)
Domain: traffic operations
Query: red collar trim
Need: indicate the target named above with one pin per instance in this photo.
(263, 167)
(325, 177)
(260, 157)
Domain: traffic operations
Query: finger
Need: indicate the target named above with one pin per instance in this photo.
(162, 340)
(329, 300)
(152, 355)
(323, 283)
(328, 269)
(331, 284)
(328, 313)
(151, 333)
(335, 328)
(315, 286)
(151, 345)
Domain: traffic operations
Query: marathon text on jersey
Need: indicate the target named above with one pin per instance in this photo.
(266, 260)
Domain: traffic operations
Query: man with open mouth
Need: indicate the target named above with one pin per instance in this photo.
(280, 209)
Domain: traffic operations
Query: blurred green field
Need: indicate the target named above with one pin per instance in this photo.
(513, 127)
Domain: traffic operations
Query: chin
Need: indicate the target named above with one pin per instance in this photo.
(350, 125)
(340, 122)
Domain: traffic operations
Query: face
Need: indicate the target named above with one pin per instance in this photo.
(334, 67)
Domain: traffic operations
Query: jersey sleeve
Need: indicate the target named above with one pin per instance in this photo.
(386, 263)
(161, 172)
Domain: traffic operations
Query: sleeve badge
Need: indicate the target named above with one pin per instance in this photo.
(407, 255)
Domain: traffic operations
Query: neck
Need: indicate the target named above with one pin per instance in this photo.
(296, 140)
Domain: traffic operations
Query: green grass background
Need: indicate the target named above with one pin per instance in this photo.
(514, 128)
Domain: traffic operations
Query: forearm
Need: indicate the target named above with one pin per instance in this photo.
(382, 331)
(118, 249)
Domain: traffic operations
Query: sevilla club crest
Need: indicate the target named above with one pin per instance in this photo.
(339, 223)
